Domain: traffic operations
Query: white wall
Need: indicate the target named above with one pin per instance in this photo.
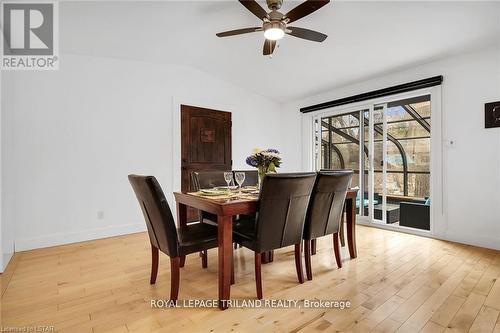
(1, 226)
(7, 229)
(471, 169)
(75, 134)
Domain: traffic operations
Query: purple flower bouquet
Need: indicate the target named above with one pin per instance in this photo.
(265, 160)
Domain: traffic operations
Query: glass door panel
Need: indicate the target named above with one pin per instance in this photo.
(340, 149)
(388, 148)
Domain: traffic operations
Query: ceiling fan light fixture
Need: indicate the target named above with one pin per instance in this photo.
(274, 30)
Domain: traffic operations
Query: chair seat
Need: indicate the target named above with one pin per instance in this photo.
(244, 230)
(196, 237)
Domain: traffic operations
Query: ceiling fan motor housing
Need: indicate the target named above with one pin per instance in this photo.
(274, 25)
(274, 4)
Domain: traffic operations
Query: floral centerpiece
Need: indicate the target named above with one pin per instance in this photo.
(265, 160)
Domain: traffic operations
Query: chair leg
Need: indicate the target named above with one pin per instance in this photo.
(336, 249)
(307, 254)
(154, 264)
(298, 262)
(258, 275)
(204, 259)
(341, 229)
(174, 277)
(313, 246)
(182, 260)
(235, 245)
(265, 257)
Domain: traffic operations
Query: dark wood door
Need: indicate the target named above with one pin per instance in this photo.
(205, 144)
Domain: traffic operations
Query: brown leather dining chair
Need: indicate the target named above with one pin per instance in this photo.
(251, 177)
(165, 236)
(280, 221)
(325, 211)
(206, 180)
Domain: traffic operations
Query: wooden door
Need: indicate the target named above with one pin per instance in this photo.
(205, 144)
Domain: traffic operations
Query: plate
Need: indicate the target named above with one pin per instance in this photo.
(213, 192)
(224, 188)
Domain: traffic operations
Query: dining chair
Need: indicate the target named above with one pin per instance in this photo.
(280, 221)
(251, 177)
(207, 180)
(165, 236)
(325, 211)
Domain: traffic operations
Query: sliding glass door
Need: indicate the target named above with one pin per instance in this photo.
(388, 147)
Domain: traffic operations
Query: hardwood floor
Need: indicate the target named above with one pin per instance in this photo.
(398, 282)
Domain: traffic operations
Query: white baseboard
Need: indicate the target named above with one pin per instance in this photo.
(23, 244)
(481, 241)
(486, 242)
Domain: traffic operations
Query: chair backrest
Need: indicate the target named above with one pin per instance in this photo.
(208, 179)
(159, 220)
(327, 203)
(283, 206)
(251, 177)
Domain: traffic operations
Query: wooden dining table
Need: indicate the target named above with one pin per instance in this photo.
(225, 209)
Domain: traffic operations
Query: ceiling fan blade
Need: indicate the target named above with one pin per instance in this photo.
(269, 46)
(238, 32)
(305, 9)
(255, 8)
(306, 34)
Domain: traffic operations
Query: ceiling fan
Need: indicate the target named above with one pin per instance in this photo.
(275, 23)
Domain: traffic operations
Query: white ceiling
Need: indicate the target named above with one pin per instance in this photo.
(365, 39)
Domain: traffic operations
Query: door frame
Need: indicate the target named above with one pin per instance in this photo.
(438, 218)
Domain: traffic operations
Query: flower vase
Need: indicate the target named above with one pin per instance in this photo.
(262, 174)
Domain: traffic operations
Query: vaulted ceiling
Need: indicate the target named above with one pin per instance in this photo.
(365, 39)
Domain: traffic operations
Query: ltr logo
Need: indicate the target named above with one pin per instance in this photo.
(28, 29)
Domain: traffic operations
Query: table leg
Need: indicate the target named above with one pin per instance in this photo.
(351, 226)
(181, 215)
(225, 239)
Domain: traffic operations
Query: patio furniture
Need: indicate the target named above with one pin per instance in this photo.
(415, 215)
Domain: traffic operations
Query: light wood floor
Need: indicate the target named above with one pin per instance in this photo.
(399, 282)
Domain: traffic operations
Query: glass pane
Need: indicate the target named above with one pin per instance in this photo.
(419, 185)
(346, 120)
(394, 157)
(395, 184)
(417, 154)
(397, 113)
(406, 129)
(350, 153)
(423, 108)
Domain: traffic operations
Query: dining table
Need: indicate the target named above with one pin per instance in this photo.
(225, 207)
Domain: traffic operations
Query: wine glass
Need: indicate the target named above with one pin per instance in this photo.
(228, 177)
(240, 179)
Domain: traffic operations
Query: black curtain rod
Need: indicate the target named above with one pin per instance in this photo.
(420, 84)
